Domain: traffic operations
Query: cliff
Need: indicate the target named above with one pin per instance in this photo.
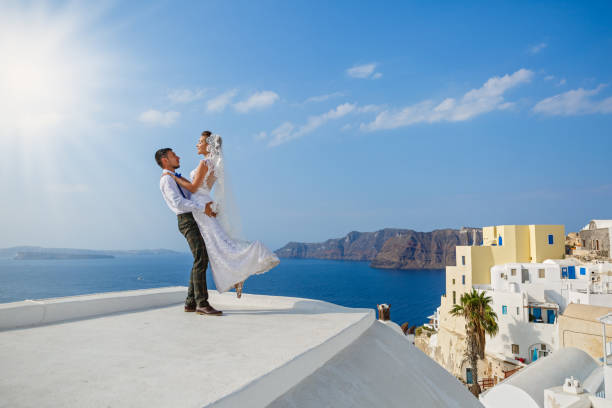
(390, 248)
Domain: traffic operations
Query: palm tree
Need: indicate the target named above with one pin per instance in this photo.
(480, 319)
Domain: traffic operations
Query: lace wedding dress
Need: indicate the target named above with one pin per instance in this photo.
(231, 260)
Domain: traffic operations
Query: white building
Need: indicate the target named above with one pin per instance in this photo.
(541, 385)
(528, 298)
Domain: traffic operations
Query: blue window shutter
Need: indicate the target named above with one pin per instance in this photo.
(537, 312)
(550, 239)
(583, 271)
(504, 309)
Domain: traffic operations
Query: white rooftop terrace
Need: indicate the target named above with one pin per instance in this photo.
(138, 348)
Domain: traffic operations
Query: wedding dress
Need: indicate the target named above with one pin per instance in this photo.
(231, 260)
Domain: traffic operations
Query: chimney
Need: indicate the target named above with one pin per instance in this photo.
(384, 312)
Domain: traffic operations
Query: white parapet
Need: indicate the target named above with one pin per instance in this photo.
(46, 311)
(139, 348)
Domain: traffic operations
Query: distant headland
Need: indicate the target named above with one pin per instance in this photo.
(41, 253)
(390, 248)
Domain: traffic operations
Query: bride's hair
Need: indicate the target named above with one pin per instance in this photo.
(207, 134)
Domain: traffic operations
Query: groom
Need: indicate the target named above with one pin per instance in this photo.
(178, 199)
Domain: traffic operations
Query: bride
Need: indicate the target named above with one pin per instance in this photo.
(232, 260)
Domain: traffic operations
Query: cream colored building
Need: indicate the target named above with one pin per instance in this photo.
(579, 327)
(501, 245)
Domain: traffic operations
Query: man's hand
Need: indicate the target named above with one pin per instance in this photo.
(208, 210)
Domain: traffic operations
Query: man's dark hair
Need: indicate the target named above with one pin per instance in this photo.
(206, 133)
(160, 154)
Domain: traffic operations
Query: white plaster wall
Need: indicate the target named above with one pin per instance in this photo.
(546, 373)
(508, 396)
(380, 369)
(516, 329)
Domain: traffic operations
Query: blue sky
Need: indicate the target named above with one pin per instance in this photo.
(336, 116)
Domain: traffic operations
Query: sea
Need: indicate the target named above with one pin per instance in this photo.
(412, 294)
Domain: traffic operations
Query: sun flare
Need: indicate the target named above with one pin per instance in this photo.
(47, 73)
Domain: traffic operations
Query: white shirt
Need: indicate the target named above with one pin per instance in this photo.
(175, 200)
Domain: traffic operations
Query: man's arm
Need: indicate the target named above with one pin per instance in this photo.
(174, 198)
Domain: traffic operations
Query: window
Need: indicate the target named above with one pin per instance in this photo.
(541, 273)
(463, 279)
(504, 309)
(454, 298)
(583, 271)
(513, 271)
(463, 260)
(550, 239)
(515, 349)
(517, 310)
(499, 241)
(453, 281)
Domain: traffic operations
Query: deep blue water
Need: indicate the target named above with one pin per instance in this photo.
(413, 294)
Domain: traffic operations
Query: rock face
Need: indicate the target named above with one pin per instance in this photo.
(390, 248)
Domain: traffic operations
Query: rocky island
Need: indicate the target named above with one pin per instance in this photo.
(43, 256)
(41, 253)
(390, 248)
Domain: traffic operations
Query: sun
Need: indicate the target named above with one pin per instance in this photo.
(47, 73)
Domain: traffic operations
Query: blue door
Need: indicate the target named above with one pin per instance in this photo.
(564, 272)
(534, 357)
(551, 316)
(468, 376)
(499, 241)
(571, 272)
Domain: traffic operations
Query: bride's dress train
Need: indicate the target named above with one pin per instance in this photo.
(232, 261)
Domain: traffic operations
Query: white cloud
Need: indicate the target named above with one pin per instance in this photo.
(562, 82)
(364, 71)
(534, 49)
(282, 134)
(261, 136)
(158, 118)
(369, 108)
(185, 95)
(219, 103)
(575, 102)
(549, 77)
(485, 99)
(346, 127)
(258, 100)
(322, 98)
(287, 131)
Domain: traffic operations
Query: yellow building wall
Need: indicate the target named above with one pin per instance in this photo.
(540, 248)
